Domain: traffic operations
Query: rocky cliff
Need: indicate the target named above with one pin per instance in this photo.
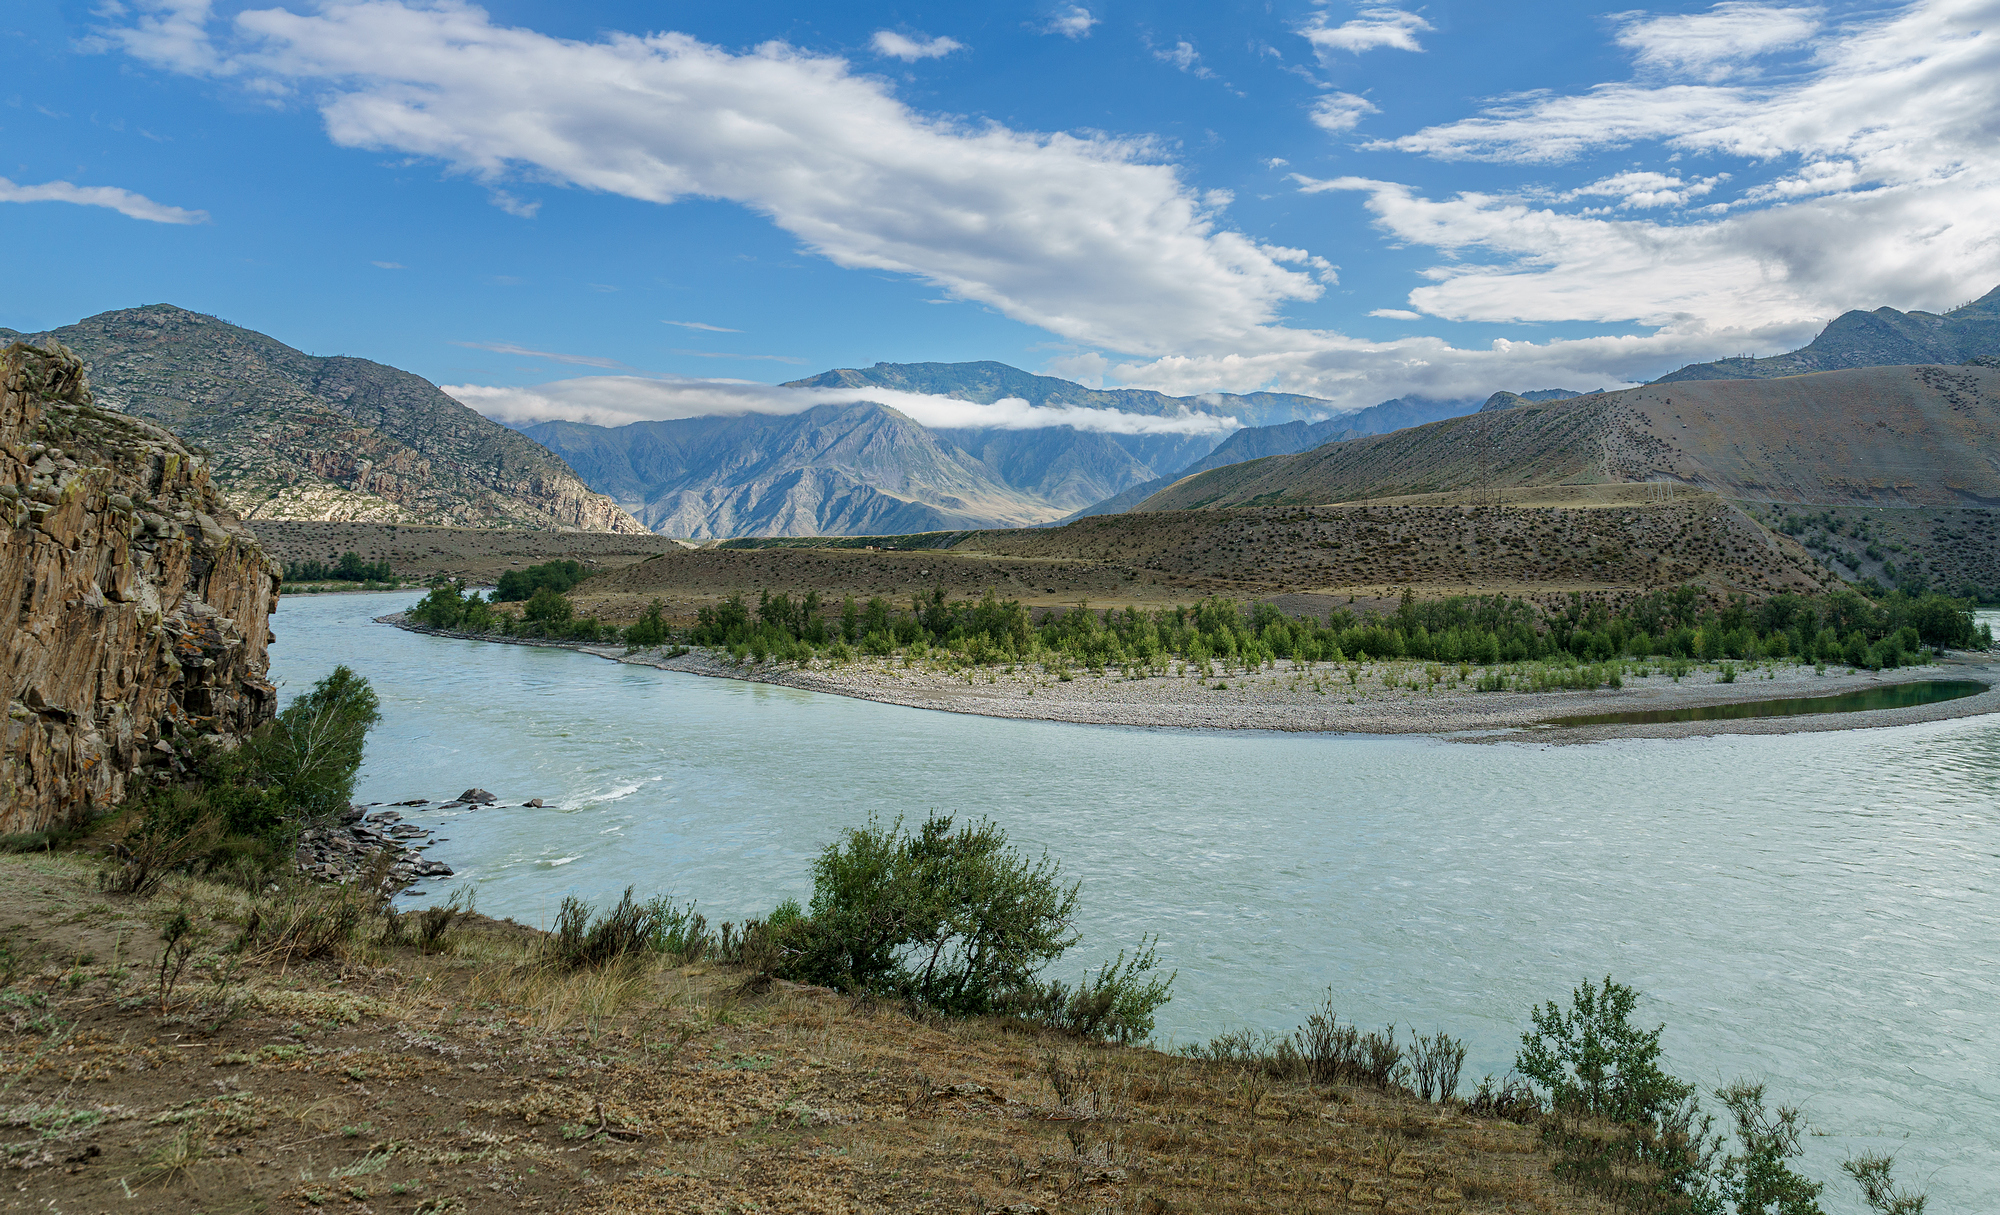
(297, 436)
(139, 601)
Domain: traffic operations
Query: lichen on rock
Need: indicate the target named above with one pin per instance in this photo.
(141, 607)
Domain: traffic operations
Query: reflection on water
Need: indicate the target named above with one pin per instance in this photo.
(1817, 910)
(1889, 696)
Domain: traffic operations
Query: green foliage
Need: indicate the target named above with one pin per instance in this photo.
(1117, 1002)
(557, 576)
(1757, 1179)
(350, 568)
(1592, 1060)
(548, 606)
(649, 630)
(1871, 1171)
(311, 753)
(1577, 645)
(580, 942)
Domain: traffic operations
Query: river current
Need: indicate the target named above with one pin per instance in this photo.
(1817, 911)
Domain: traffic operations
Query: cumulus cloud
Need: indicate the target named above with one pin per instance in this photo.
(1641, 189)
(1090, 237)
(1072, 22)
(909, 50)
(1870, 181)
(1720, 42)
(1372, 27)
(618, 400)
(1338, 112)
(125, 202)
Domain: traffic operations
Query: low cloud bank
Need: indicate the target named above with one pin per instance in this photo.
(617, 400)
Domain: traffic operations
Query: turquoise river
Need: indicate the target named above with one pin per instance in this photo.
(1819, 911)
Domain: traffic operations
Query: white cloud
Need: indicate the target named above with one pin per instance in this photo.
(1072, 22)
(581, 360)
(909, 50)
(1372, 27)
(514, 206)
(389, 265)
(705, 328)
(1397, 314)
(1641, 189)
(1338, 112)
(1719, 42)
(171, 32)
(1878, 187)
(125, 202)
(617, 400)
(1087, 236)
(1183, 56)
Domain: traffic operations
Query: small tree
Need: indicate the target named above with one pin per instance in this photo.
(1593, 1060)
(313, 750)
(548, 606)
(1757, 1180)
(949, 915)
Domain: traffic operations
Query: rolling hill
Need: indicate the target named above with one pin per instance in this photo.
(295, 436)
(1876, 436)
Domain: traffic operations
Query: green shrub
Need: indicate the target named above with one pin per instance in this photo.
(580, 942)
(312, 752)
(1593, 1060)
(555, 576)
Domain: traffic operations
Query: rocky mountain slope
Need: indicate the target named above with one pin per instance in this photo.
(300, 437)
(1877, 436)
(1882, 338)
(836, 470)
(1256, 442)
(140, 602)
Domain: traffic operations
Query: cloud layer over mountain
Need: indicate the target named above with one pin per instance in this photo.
(616, 400)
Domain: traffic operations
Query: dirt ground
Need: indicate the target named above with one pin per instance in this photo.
(474, 1077)
(476, 554)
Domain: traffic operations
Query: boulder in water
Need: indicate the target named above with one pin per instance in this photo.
(478, 797)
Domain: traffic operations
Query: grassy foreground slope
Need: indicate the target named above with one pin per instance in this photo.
(307, 1069)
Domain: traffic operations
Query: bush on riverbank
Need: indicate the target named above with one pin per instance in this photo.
(240, 811)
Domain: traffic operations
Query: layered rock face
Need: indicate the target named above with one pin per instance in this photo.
(138, 602)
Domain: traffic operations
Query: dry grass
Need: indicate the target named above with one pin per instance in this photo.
(478, 1078)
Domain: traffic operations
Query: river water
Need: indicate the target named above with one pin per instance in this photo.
(1818, 911)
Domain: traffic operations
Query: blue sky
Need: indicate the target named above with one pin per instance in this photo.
(1355, 201)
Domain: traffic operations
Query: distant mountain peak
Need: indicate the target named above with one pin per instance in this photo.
(1881, 338)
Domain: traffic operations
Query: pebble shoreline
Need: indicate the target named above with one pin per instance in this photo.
(1285, 698)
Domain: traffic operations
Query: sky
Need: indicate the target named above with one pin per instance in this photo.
(615, 210)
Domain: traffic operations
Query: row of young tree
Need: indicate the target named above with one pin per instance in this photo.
(1476, 630)
(1681, 622)
(349, 568)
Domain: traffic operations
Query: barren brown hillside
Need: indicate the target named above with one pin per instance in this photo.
(1601, 539)
(1872, 436)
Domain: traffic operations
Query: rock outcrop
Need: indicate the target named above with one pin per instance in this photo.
(139, 605)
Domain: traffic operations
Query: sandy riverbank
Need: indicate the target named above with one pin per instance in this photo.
(1324, 700)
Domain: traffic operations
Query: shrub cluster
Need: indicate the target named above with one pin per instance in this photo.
(349, 568)
(238, 812)
(1469, 630)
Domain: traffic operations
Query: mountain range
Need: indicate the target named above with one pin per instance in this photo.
(297, 436)
(867, 469)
